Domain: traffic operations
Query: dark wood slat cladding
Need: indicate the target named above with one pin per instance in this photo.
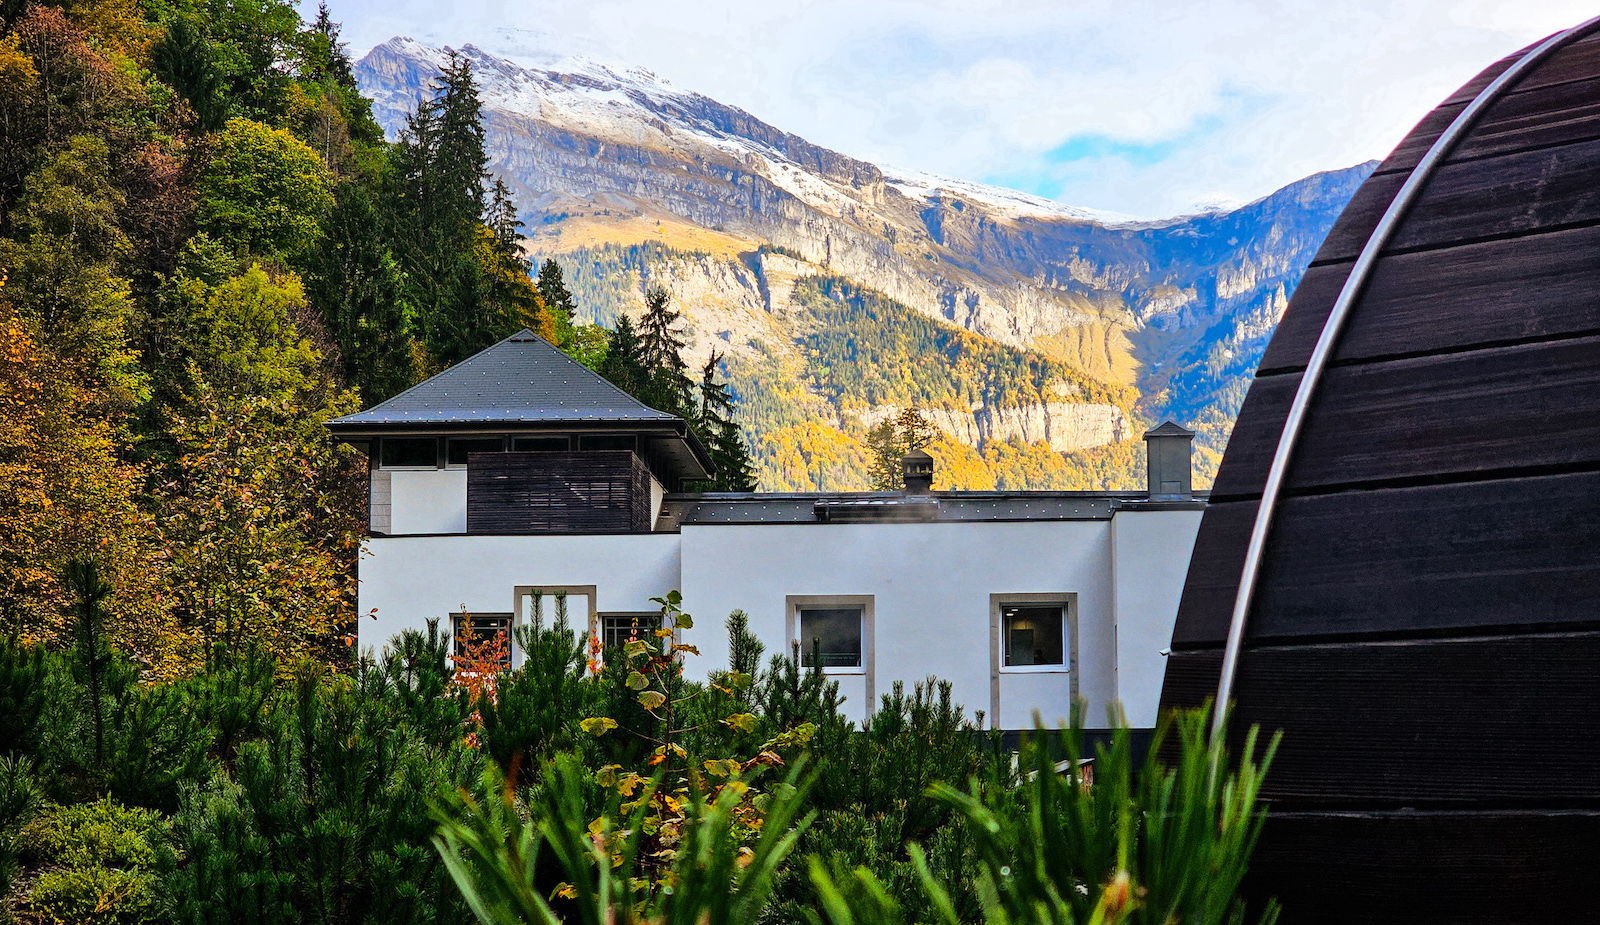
(1538, 286)
(1359, 218)
(1429, 868)
(1455, 557)
(1364, 720)
(1578, 60)
(1528, 119)
(1491, 197)
(1512, 194)
(543, 493)
(1426, 624)
(1454, 414)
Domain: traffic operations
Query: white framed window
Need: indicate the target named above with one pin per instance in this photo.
(1034, 632)
(481, 635)
(617, 628)
(833, 632)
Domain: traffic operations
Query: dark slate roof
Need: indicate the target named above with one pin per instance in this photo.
(520, 380)
(1169, 429)
(894, 507)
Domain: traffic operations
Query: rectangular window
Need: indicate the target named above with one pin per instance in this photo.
(830, 637)
(477, 637)
(461, 446)
(541, 444)
(1033, 634)
(607, 442)
(409, 453)
(617, 628)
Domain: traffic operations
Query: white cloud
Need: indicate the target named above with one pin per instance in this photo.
(1169, 103)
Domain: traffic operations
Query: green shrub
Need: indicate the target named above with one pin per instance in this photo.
(104, 834)
(95, 896)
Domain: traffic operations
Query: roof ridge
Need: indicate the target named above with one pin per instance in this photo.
(563, 355)
(544, 354)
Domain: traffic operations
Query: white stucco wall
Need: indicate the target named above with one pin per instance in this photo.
(1150, 555)
(930, 584)
(931, 587)
(427, 501)
(409, 580)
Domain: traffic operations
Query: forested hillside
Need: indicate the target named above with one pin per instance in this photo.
(209, 249)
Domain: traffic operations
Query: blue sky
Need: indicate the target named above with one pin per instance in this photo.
(1146, 108)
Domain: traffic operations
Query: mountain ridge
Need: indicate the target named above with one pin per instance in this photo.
(1177, 308)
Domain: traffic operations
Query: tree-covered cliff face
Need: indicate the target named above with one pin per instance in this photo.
(631, 182)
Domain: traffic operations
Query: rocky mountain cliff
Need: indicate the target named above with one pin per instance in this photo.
(1098, 324)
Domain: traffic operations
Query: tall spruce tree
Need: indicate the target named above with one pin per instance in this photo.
(553, 289)
(439, 173)
(721, 433)
(661, 344)
(514, 302)
(184, 61)
(354, 280)
(328, 56)
(623, 365)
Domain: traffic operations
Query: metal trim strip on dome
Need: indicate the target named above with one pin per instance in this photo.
(1328, 339)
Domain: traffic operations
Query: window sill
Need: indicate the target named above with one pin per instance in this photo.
(1035, 669)
(843, 671)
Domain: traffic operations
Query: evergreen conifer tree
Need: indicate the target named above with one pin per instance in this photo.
(329, 57)
(514, 301)
(355, 281)
(889, 442)
(553, 289)
(623, 365)
(184, 61)
(721, 433)
(439, 171)
(661, 344)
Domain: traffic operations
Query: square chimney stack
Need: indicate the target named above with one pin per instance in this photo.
(917, 470)
(1168, 471)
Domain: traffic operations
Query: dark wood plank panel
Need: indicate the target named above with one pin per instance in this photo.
(1426, 868)
(1426, 559)
(1499, 196)
(1356, 223)
(542, 493)
(1493, 292)
(1518, 407)
(1212, 584)
(1410, 150)
(1470, 89)
(1561, 114)
(1371, 723)
(1536, 118)
(1578, 60)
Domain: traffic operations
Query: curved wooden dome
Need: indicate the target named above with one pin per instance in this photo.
(1424, 619)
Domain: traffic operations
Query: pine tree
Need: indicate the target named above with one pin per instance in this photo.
(914, 429)
(661, 344)
(183, 60)
(514, 301)
(330, 58)
(624, 365)
(889, 442)
(715, 424)
(885, 452)
(553, 288)
(355, 281)
(440, 199)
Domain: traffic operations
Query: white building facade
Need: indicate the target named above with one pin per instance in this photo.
(1024, 601)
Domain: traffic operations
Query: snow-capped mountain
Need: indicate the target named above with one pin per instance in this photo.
(599, 155)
